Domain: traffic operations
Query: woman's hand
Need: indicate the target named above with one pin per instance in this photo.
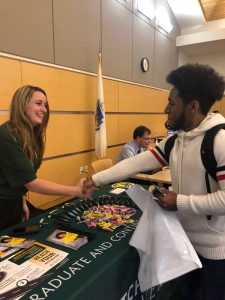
(89, 186)
(85, 190)
(26, 212)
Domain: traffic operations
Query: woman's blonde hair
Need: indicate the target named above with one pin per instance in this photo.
(31, 139)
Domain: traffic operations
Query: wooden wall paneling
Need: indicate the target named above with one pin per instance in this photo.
(216, 106)
(10, 78)
(133, 98)
(65, 170)
(127, 124)
(77, 92)
(222, 107)
(69, 133)
(66, 90)
(113, 153)
(4, 117)
(111, 95)
(75, 132)
(112, 129)
(46, 78)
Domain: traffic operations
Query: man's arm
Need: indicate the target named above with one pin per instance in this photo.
(126, 168)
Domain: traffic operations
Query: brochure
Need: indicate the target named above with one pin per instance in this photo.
(68, 239)
(24, 270)
(14, 242)
(122, 185)
(5, 251)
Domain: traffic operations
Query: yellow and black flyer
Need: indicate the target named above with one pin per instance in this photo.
(68, 239)
(17, 271)
(16, 242)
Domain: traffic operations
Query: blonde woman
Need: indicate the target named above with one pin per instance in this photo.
(22, 143)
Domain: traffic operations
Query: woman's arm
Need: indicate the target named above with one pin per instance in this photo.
(42, 186)
(26, 212)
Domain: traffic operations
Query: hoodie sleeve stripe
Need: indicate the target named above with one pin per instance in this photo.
(161, 153)
(220, 175)
(219, 169)
(158, 157)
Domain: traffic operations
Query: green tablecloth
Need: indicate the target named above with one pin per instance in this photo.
(105, 268)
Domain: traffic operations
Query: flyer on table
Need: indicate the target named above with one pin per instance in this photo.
(25, 266)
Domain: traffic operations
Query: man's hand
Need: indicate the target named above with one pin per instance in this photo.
(84, 191)
(89, 186)
(168, 200)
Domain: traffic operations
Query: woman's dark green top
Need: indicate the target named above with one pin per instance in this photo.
(15, 168)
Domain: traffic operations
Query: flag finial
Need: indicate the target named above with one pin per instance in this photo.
(100, 56)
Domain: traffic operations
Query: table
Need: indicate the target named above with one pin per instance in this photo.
(105, 268)
(161, 177)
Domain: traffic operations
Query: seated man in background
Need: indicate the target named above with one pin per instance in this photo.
(141, 140)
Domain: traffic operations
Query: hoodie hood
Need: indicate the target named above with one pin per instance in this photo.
(211, 120)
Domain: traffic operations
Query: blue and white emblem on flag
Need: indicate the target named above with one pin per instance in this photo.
(100, 124)
(99, 116)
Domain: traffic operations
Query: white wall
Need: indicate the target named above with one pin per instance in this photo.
(216, 60)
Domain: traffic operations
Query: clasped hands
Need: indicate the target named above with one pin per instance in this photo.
(87, 187)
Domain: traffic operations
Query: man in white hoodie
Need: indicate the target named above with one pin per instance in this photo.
(195, 88)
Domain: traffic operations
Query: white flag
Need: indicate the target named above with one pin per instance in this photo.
(100, 127)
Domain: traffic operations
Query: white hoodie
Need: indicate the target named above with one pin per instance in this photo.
(188, 181)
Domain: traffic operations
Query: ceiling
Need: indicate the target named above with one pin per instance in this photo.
(187, 12)
(200, 13)
(213, 10)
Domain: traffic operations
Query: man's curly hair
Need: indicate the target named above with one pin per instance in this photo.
(198, 82)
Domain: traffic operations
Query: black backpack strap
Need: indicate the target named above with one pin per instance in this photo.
(169, 146)
(207, 152)
(208, 157)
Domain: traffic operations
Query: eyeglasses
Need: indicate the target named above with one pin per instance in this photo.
(147, 139)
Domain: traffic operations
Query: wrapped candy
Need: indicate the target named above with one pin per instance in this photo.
(108, 217)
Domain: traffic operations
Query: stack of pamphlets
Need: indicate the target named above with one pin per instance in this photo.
(9, 245)
(68, 239)
(5, 251)
(15, 242)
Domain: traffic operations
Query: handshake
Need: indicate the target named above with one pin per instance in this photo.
(87, 188)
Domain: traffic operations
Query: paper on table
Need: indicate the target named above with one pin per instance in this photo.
(5, 251)
(22, 271)
(117, 191)
(135, 192)
(164, 248)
